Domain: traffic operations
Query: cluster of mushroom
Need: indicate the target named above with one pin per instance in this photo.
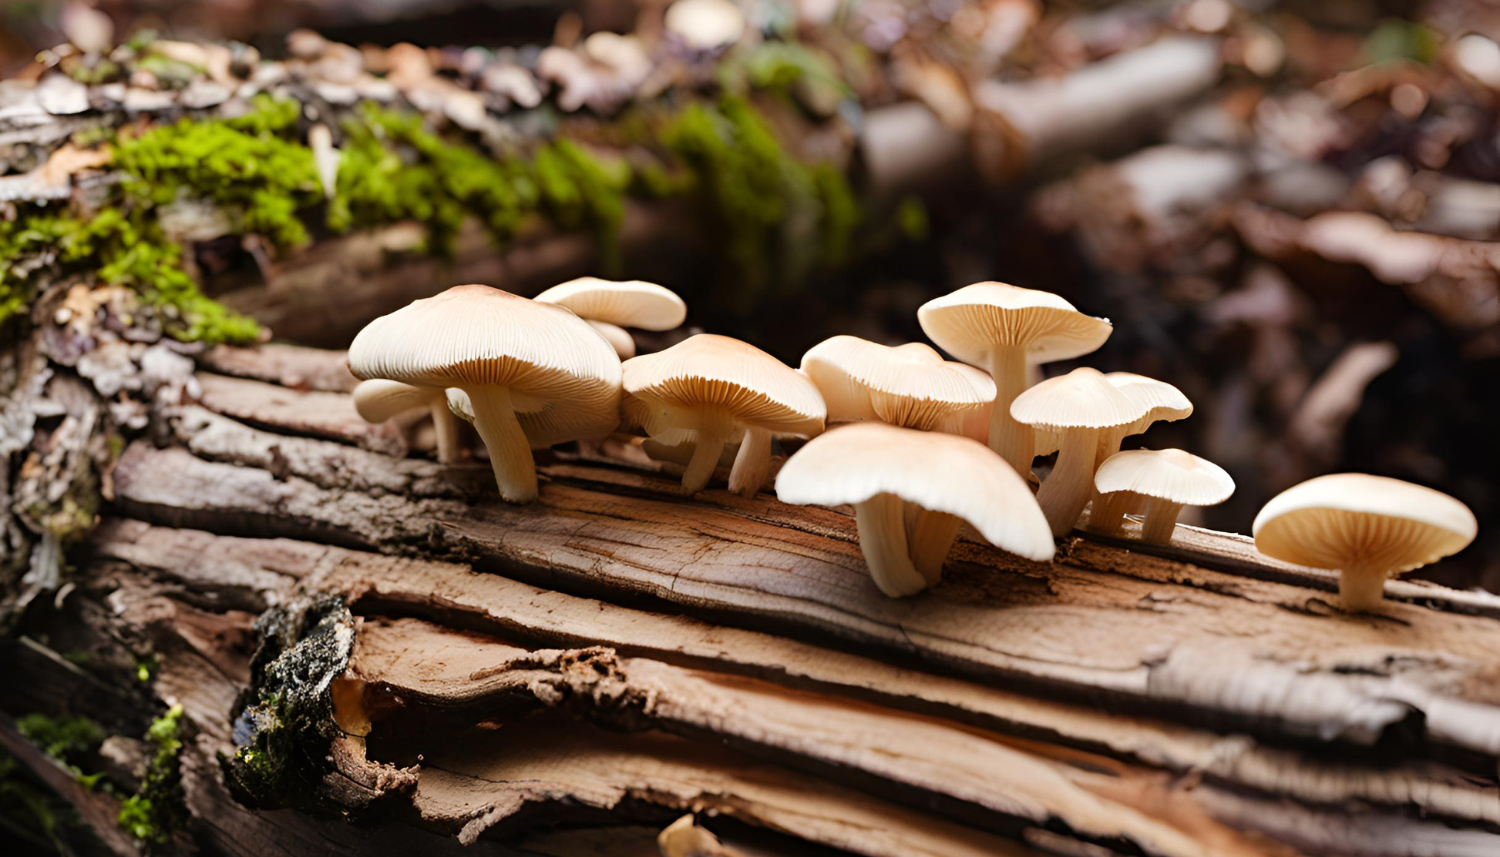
(929, 444)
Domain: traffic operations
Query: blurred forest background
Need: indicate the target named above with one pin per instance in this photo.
(1308, 250)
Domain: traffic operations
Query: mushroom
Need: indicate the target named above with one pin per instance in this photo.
(712, 390)
(705, 25)
(1002, 328)
(886, 470)
(1367, 527)
(379, 399)
(908, 385)
(610, 306)
(1163, 403)
(1079, 407)
(515, 359)
(1166, 480)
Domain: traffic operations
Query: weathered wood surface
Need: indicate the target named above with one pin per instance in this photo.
(618, 655)
(1104, 623)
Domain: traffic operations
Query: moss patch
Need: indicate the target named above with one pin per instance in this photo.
(158, 808)
(257, 170)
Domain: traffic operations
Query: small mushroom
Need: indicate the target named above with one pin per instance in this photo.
(1163, 403)
(1079, 407)
(908, 385)
(1367, 527)
(379, 399)
(911, 490)
(711, 390)
(610, 306)
(1004, 328)
(705, 25)
(1166, 480)
(515, 359)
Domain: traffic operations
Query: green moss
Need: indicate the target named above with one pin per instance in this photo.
(66, 738)
(393, 168)
(240, 164)
(911, 218)
(159, 808)
(257, 169)
(738, 165)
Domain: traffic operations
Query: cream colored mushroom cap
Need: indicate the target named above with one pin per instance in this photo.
(907, 385)
(560, 372)
(1167, 474)
(939, 472)
(1162, 401)
(1083, 398)
(1354, 518)
(379, 399)
(627, 303)
(711, 371)
(972, 321)
(705, 24)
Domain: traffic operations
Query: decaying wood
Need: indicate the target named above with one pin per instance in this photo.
(619, 655)
(1154, 630)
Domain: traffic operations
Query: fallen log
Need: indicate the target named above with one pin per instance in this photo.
(729, 656)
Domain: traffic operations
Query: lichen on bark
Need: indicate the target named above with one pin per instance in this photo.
(284, 721)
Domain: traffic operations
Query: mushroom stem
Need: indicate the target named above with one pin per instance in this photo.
(707, 447)
(510, 453)
(616, 336)
(1160, 522)
(1107, 517)
(1066, 491)
(446, 424)
(882, 538)
(1012, 439)
(751, 463)
(1362, 588)
(929, 536)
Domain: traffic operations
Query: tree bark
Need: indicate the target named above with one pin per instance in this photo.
(619, 655)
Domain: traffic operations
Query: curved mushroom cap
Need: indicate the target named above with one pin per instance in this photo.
(1162, 403)
(711, 371)
(1168, 474)
(939, 472)
(627, 303)
(379, 399)
(705, 24)
(1344, 518)
(972, 321)
(1083, 398)
(563, 377)
(908, 385)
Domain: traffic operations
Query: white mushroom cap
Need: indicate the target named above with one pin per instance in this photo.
(939, 472)
(1353, 518)
(712, 390)
(1083, 398)
(379, 399)
(1166, 474)
(558, 370)
(716, 371)
(1004, 329)
(705, 24)
(627, 303)
(1080, 407)
(972, 321)
(1161, 402)
(908, 385)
